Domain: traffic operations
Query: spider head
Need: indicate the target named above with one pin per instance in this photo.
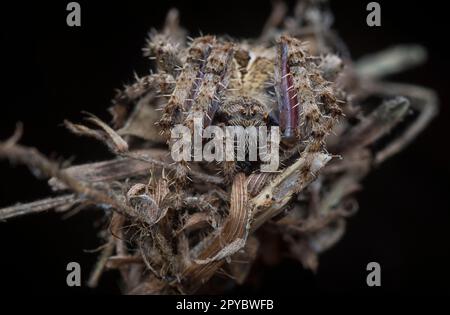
(244, 111)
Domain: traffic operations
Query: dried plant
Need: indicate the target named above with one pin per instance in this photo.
(174, 225)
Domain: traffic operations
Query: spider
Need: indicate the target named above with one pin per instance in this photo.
(244, 84)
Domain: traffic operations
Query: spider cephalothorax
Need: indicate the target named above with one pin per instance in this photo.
(244, 111)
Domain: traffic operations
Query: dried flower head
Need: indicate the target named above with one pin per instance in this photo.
(174, 225)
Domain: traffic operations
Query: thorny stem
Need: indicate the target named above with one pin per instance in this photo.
(37, 206)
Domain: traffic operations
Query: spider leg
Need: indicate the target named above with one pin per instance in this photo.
(187, 83)
(199, 89)
(129, 96)
(308, 103)
(214, 81)
(308, 107)
(161, 48)
(165, 47)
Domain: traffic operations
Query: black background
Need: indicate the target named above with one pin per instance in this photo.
(51, 71)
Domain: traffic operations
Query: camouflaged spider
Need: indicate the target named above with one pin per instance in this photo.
(245, 84)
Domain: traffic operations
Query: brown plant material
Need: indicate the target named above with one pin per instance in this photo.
(176, 225)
